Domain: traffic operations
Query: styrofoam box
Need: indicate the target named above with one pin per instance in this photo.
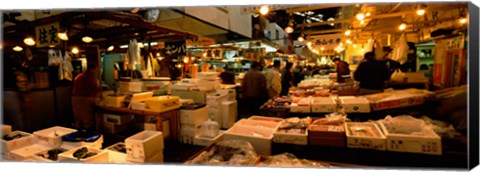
(189, 81)
(215, 100)
(27, 152)
(323, 105)
(116, 157)
(231, 93)
(355, 104)
(137, 106)
(96, 144)
(258, 123)
(144, 145)
(216, 115)
(11, 145)
(117, 119)
(188, 130)
(206, 141)
(207, 75)
(229, 111)
(378, 143)
(42, 159)
(260, 138)
(6, 129)
(300, 109)
(290, 138)
(101, 157)
(193, 117)
(134, 87)
(155, 159)
(47, 136)
(411, 143)
(265, 118)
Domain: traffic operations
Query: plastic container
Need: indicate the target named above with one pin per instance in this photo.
(209, 129)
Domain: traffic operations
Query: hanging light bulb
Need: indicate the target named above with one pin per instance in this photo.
(309, 44)
(75, 50)
(301, 39)
(264, 10)
(111, 48)
(360, 16)
(348, 32)
(29, 41)
(420, 11)
(62, 36)
(463, 20)
(87, 39)
(289, 29)
(17, 48)
(158, 54)
(185, 60)
(368, 14)
(402, 26)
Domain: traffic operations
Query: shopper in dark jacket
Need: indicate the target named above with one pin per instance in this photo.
(372, 75)
(254, 89)
(342, 69)
(287, 79)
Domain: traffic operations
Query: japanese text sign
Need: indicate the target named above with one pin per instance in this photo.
(46, 35)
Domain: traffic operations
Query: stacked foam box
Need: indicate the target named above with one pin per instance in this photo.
(214, 104)
(190, 119)
(145, 147)
(26, 140)
(208, 81)
(125, 88)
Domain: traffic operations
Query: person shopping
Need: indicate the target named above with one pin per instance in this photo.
(342, 69)
(371, 74)
(86, 89)
(274, 85)
(287, 79)
(253, 89)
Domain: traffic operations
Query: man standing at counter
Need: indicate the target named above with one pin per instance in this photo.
(372, 75)
(254, 89)
(86, 88)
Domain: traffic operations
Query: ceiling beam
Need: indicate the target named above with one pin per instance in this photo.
(315, 7)
(55, 18)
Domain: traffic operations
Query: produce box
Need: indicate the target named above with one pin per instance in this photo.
(207, 141)
(162, 103)
(81, 154)
(264, 118)
(52, 136)
(413, 143)
(50, 155)
(193, 117)
(399, 98)
(144, 146)
(6, 129)
(27, 152)
(323, 105)
(365, 135)
(117, 119)
(20, 139)
(327, 135)
(260, 138)
(114, 100)
(353, 104)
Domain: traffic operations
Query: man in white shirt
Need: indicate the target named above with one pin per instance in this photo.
(274, 85)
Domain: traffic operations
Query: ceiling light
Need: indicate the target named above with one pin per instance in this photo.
(185, 60)
(75, 50)
(309, 44)
(297, 13)
(301, 39)
(63, 36)
(158, 54)
(368, 14)
(289, 29)
(348, 32)
(322, 48)
(264, 10)
(463, 20)
(421, 12)
(348, 41)
(17, 48)
(308, 21)
(110, 48)
(360, 16)
(402, 26)
(87, 39)
(29, 41)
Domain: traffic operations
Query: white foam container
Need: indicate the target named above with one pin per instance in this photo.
(101, 157)
(11, 145)
(27, 152)
(144, 145)
(42, 159)
(193, 117)
(47, 136)
(262, 143)
(365, 142)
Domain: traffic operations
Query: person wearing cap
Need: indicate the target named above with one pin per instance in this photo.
(371, 74)
(86, 90)
(342, 69)
(274, 83)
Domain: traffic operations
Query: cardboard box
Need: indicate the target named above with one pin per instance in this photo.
(144, 145)
(27, 140)
(118, 119)
(129, 87)
(327, 135)
(265, 118)
(6, 129)
(162, 103)
(52, 136)
(365, 142)
(399, 98)
(355, 104)
(193, 117)
(206, 141)
(39, 158)
(229, 111)
(323, 105)
(114, 101)
(27, 152)
(413, 143)
(100, 157)
(113, 128)
(260, 138)
(295, 108)
(290, 138)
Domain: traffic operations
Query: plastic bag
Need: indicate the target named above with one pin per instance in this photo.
(443, 129)
(67, 67)
(289, 160)
(403, 124)
(227, 152)
(397, 76)
(399, 52)
(331, 119)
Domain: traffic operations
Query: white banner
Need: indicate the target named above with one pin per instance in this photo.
(326, 44)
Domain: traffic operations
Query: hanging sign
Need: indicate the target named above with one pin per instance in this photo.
(46, 35)
(200, 41)
(176, 49)
(326, 44)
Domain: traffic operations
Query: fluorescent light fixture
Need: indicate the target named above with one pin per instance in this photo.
(140, 45)
(17, 48)
(29, 41)
(123, 46)
(264, 10)
(75, 50)
(63, 36)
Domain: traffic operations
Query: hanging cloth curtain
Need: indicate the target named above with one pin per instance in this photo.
(60, 65)
(149, 66)
(67, 67)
